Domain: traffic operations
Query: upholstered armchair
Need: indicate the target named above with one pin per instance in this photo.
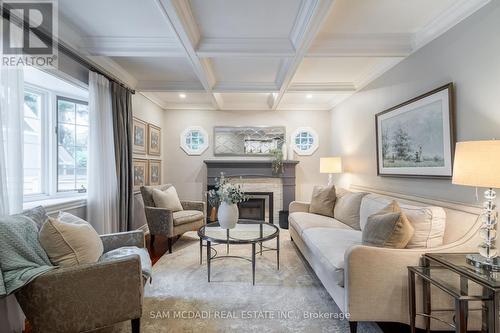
(90, 296)
(168, 223)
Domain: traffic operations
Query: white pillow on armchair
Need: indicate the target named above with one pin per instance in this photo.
(167, 199)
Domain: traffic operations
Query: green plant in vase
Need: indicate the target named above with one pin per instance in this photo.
(213, 203)
(277, 162)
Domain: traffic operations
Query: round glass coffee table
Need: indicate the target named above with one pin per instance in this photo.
(246, 232)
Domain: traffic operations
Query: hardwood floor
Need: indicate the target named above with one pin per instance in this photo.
(159, 249)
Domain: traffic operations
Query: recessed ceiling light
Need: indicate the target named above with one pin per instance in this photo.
(182, 95)
(309, 96)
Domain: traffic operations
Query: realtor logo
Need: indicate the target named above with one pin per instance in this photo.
(29, 31)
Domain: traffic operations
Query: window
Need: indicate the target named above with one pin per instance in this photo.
(72, 144)
(305, 141)
(56, 126)
(194, 140)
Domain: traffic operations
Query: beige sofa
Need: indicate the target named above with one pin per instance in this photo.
(370, 283)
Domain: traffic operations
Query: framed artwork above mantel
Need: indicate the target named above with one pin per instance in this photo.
(417, 138)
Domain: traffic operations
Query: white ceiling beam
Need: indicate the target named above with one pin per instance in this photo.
(179, 16)
(341, 87)
(455, 13)
(245, 87)
(362, 45)
(171, 86)
(132, 47)
(245, 47)
(311, 17)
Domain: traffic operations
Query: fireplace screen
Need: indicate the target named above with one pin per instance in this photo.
(247, 141)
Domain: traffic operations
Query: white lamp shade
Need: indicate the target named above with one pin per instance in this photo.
(330, 165)
(477, 163)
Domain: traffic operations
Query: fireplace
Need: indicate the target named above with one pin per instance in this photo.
(257, 180)
(253, 209)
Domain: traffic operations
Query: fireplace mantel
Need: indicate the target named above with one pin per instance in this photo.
(247, 168)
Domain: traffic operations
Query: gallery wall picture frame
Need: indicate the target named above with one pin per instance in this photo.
(416, 139)
(139, 136)
(154, 172)
(140, 173)
(154, 140)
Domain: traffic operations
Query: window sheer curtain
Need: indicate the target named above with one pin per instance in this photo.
(102, 197)
(11, 172)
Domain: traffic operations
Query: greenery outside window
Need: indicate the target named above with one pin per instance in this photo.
(55, 134)
(72, 144)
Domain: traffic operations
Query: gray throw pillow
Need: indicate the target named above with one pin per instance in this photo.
(347, 207)
(388, 228)
(323, 200)
(37, 215)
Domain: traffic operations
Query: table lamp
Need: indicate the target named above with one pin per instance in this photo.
(477, 163)
(330, 165)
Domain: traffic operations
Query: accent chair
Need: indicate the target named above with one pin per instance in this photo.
(168, 223)
(89, 296)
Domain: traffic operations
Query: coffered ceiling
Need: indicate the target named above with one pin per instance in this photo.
(253, 54)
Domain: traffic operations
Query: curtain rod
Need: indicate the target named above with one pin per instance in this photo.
(87, 64)
(45, 37)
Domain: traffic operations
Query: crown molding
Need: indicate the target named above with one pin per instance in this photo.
(453, 15)
(220, 101)
(132, 46)
(191, 106)
(245, 47)
(302, 107)
(153, 99)
(383, 66)
(313, 16)
(323, 87)
(110, 66)
(246, 107)
(362, 45)
(169, 86)
(245, 87)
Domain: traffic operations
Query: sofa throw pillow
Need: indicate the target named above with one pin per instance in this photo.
(167, 199)
(429, 222)
(323, 200)
(347, 207)
(38, 215)
(388, 228)
(68, 241)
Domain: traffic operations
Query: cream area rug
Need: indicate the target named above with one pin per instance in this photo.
(291, 299)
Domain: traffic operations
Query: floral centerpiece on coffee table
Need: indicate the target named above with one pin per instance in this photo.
(229, 195)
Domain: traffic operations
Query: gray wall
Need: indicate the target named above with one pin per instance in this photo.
(188, 173)
(469, 56)
(149, 112)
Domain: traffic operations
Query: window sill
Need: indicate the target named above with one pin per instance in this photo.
(57, 204)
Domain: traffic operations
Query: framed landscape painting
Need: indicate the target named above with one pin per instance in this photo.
(154, 140)
(139, 133)
(140, 173)
(417, 137)
(154, 172)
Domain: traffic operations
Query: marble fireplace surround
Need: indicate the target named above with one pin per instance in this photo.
(255, 170)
